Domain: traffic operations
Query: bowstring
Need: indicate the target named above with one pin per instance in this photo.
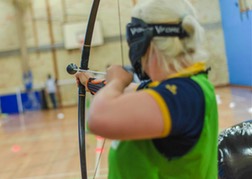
(120, 30)
(99, 158)
(122, 58)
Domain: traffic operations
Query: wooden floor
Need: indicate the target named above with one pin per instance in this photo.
(44, 144)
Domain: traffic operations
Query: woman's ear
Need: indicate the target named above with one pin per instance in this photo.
(153, 57)
(145, 59)
(152, 62)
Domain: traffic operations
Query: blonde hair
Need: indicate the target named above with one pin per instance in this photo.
(172, 50)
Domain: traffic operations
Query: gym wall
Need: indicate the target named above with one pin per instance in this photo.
(43, 25)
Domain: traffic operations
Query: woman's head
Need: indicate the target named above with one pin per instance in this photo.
(173, 52)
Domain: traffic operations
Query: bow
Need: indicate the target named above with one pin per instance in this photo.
(82, 90)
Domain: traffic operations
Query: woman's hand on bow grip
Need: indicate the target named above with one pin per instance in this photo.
(82, 78)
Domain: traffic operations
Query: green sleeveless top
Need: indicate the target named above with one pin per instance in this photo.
(139, 159)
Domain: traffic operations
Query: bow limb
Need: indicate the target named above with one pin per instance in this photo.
(82, 90)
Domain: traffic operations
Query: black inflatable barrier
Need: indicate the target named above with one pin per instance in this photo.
(235, 152)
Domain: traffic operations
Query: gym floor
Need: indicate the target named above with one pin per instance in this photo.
(44, 144)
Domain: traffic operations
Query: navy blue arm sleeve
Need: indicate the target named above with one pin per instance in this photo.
(185, 101)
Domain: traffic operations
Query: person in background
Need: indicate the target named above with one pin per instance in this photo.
(51, 90)
(168, 127)
(32, 101)
(28, 80)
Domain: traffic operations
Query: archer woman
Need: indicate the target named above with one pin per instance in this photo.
(167, 127)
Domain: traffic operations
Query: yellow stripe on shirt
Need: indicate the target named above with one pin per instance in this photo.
(164, 110)
(191, 70)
